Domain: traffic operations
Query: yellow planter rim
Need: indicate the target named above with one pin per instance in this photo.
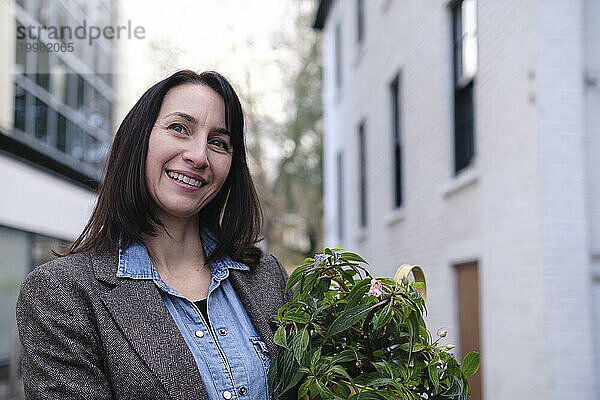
(418, 273)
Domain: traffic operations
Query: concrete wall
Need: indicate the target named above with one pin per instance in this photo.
(36, 201)
(592, 147)
(565, 218)
(512, 266)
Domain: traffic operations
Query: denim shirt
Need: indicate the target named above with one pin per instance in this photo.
(231, 357)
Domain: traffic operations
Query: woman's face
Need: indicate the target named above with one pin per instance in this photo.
(189, 151)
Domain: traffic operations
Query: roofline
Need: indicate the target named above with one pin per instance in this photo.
(322, 13)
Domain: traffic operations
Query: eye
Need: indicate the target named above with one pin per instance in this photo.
(220, 143)
(178, 128)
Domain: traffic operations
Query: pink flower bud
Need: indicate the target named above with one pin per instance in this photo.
(376, 288)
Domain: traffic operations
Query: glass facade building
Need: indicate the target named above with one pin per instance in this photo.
(64, 95)
(63, 84)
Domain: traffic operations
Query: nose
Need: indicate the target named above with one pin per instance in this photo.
(197, 154)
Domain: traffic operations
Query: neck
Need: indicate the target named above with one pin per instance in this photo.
(177, 247)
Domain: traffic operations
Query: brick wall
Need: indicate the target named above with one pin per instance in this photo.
(523, 210)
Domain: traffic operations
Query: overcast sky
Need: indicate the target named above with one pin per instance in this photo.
(235, 37)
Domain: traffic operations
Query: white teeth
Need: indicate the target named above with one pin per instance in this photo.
(185, 179)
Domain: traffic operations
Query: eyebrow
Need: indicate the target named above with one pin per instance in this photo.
(185, 116)
(191, 119)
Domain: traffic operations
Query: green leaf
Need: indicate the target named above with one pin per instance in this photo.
(321, 258)
(303, 390)
(385, 316)
(338, 369)
(324, 391)
(389, 395)
(286, 369)
(366, 395)
(349, 256)
(295, 277)
(470, 364)
(315, 357)
(300, 344)
(381, 382)
(433, 375)
(304, 370)
(418, 347)
(294, 381)
(297, 317)
(344, 356)
(271, 374)
(347, 319)
(455, 389)
(357, 293)
(280, 338)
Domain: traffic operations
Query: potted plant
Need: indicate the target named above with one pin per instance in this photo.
(347, 335)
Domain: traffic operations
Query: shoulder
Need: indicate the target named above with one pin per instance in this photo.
(62, 270)
(59, 293)
(272, 272)
(271, 264)
(71, 276)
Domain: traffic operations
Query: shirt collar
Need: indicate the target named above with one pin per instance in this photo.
(135, 263)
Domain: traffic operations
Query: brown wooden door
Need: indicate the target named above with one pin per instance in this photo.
(468, 318)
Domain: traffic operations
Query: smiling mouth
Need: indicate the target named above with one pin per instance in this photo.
(185, 179)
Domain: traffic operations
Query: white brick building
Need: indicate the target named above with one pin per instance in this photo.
(513, 238)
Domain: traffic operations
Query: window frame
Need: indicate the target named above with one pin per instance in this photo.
(464, 99)
(363, 176)
(360, 21)
(395, 91)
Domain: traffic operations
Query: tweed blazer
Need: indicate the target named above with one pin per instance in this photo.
(87, 334)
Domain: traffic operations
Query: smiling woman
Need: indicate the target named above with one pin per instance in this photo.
(165, 294)
(189, 152)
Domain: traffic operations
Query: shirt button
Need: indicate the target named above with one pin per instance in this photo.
(227, 395)
(242, 391)
(222, 332)
(199, 333)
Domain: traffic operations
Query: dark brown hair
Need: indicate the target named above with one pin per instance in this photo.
(125, 208)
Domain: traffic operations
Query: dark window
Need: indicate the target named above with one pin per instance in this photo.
(80, 91)
(20, 107)
(338, 56)
(41, 118)
(42, 77)
(71, 88)
(395, 88)
(61, 133)
(340, 194)
(75, 141)
(95, 151)
(360, 20)
(21, 56)
(362, 165)
(465, 69)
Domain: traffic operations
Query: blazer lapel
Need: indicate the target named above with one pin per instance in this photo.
(138, 309)
(248, 294)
